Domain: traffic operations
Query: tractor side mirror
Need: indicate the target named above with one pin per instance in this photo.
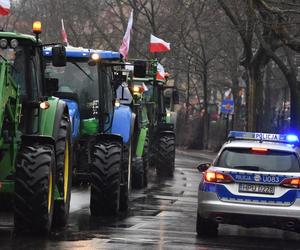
(203, 167)
(139, 69)
(51, 85)
(175, 96)
(59, 58)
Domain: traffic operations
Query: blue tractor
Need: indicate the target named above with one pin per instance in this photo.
(101, 129)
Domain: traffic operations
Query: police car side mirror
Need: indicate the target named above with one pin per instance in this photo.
(203, 167)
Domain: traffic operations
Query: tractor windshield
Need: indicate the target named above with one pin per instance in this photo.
(78, 78)
(17, 58)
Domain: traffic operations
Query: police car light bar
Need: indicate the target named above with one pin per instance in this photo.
(284, 138)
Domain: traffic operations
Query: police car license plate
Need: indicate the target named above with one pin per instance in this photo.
(256, 188)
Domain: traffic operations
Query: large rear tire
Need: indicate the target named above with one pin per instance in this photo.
(105, 178)
(165, 155)
(138, 173)
(145, 158)
(34, 189)
(126, 172)
(63, 173)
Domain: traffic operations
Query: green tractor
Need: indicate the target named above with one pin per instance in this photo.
(161, 128)
(35, 136)
(131, 93)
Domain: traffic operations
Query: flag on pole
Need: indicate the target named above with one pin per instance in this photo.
(64, 34)
(160, 75)
(124, 48)
(4, 7)
(158, 45)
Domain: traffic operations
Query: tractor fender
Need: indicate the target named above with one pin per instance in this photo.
(74, 117)
(109, 137)
(123, 122)
(31, 139)
(62, 108)
(50, 118)
(167, 132)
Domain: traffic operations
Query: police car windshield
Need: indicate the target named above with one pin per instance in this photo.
(270, 161)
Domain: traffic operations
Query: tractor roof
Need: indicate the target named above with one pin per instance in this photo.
(84, 53)
(17, 36)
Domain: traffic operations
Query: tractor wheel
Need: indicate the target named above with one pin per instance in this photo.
(105, 178)
(34, 189)
(165, 155)
(151, 152)
(138, 173)
(81, 170)
(145, 158)
(126, 165)
(63, 173)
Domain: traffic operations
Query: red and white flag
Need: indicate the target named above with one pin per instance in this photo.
(124, 48)
(4, 7)
(64, 34)
(160, 75)
(158, 45)
(228, 94)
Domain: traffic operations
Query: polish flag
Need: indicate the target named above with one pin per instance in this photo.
(124, 48)
(160, 75)
(145, 87)
(228, 94)
(158, 45)
(4, 7)
(64, 34)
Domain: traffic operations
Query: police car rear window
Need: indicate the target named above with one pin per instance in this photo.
(270, 161)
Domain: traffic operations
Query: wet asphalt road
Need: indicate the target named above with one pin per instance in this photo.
(160, 217)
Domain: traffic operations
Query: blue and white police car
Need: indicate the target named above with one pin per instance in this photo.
(254, 181)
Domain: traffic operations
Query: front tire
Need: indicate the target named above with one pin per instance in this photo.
(206, 227)
(138, 173)
(34, 189)
(64, 173)
(165, 155)
(105, 178)
(126, 172)
(146, 163)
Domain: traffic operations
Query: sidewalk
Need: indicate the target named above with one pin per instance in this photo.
(206, 154)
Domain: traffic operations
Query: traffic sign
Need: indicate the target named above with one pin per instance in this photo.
(227, 106)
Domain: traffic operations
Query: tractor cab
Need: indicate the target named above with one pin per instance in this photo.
(78, 85)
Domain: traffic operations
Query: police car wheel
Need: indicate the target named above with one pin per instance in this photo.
(206, 227)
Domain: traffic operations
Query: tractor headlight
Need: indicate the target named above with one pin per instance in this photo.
(95, 57)
(14, 43)
(3, 43)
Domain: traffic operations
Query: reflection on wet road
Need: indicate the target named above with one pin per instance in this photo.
(160, 217)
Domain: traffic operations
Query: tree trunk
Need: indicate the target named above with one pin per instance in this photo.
(187, 104)
(235, 93)
(205, 116)
(251, 104)
(268, 112)
(295, 103)
(295, 110)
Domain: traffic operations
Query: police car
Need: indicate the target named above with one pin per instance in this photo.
(254, 181)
